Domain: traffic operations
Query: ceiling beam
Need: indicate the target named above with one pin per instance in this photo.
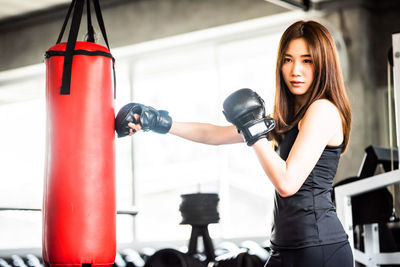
(292, 4)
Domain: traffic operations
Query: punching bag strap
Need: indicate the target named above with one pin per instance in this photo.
(73, 34)
(65, 22)
(103, 32)
(101, 21)
(90, 34)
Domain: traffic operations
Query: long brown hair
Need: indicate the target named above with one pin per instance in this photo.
(328, 81)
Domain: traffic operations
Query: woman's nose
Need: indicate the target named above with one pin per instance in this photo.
(296, 68)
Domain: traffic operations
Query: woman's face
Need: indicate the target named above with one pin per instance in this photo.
(298, 69)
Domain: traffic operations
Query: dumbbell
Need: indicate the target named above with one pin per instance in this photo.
(4, 263)
(33, 261)
(226, 247)
(17, 261)
(227, 250)
(173, 258)
(231, 255)
(133, 258)
(243, 259)
(119, 261)
(253, 248)
(147, 252)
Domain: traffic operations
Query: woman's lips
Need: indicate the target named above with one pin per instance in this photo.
(295, 83)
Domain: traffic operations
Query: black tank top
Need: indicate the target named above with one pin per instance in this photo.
(308, 218)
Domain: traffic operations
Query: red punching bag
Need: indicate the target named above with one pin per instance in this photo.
(79, 203)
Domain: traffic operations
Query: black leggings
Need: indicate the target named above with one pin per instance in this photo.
(332, 255)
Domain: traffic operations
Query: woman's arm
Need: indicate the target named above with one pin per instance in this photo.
(205, 133)
(320, 126)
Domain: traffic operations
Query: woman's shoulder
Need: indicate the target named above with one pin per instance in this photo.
(322, 111)
(323, 103)
(323, 107)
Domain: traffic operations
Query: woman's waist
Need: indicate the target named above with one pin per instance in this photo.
(305, 200)
(306, 227)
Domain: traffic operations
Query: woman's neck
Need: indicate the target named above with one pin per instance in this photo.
(301, 100)
(298, 104)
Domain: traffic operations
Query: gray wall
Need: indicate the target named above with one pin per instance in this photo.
(367, 29)
(366, 26)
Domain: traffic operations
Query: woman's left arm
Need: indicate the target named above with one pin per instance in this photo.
(319, 125)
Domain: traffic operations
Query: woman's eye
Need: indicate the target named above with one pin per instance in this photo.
(286, 60)
(307, 61)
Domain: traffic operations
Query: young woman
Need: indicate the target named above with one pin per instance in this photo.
(311, 128)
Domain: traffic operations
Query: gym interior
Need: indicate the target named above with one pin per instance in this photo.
(186, 56)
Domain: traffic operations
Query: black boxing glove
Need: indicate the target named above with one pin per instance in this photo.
(157, 121)
(245, 109)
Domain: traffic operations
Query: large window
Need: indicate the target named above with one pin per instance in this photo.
(189, 75)
(22, 140)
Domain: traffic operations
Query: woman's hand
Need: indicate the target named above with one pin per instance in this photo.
(134, 128)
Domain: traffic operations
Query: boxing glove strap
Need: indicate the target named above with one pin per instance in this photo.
(157, 121)
(164, 122)
(257, 129)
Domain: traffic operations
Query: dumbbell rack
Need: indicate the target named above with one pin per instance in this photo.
(371, 256)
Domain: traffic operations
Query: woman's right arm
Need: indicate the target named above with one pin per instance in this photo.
(206, 133)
